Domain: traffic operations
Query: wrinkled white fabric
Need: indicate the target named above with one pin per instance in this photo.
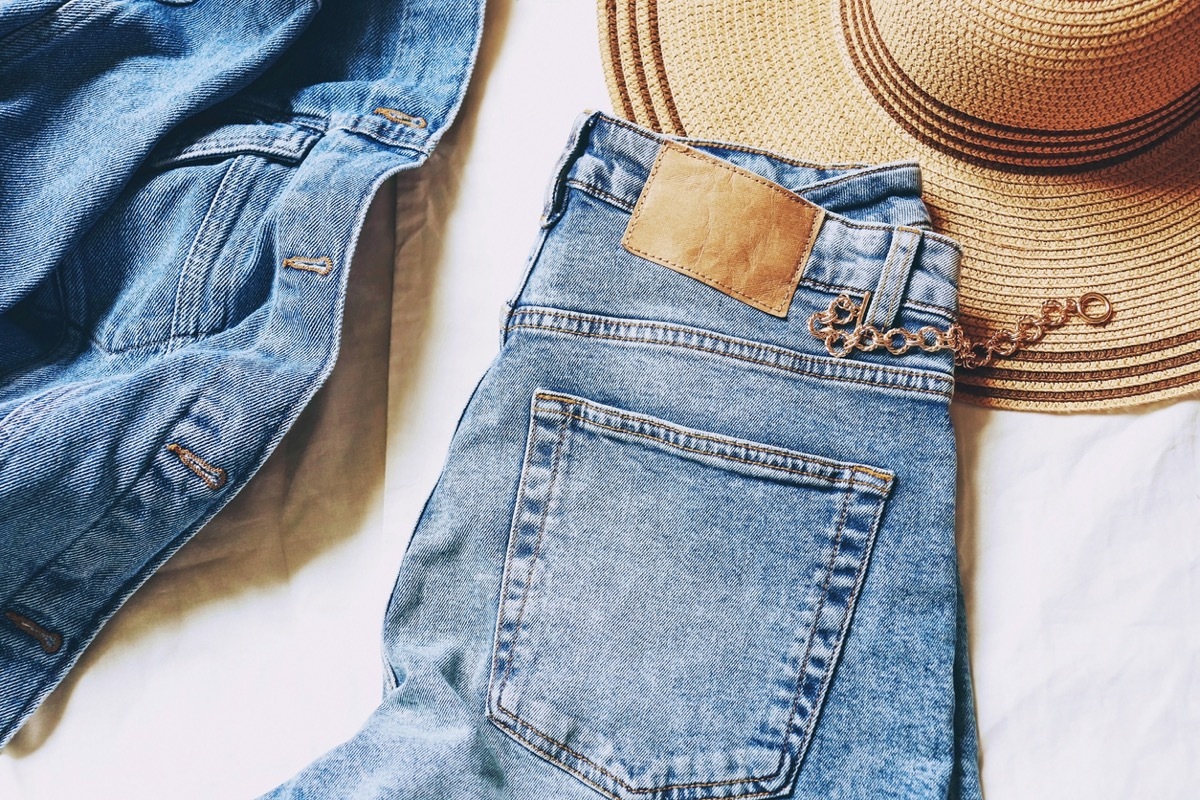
(257, 647)
(1079, 542)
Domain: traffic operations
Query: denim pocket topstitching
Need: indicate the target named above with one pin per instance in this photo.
(674, 601)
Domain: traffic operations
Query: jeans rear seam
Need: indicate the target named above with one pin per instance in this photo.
(592, 319)
(763, 362)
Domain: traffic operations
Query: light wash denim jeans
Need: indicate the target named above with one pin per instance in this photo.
(182, 184)
(678, 551)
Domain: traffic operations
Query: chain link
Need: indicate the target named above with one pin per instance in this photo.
(833, 326)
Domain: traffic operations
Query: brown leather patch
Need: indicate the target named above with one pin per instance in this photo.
(725, 226)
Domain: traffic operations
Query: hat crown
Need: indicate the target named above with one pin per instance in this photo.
(1041, 213)
(1059, 65)
(1031, 85)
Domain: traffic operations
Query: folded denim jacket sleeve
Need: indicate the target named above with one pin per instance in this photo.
(678, 551)
(181, 188)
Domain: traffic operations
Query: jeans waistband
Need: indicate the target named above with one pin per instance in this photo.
(867, 207)
(866, 234)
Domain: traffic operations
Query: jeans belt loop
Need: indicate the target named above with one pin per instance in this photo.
(893, 280)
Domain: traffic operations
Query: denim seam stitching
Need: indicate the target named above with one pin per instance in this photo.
(189, 265)
(860, 574)
(618, 122)
(383, 139)
(85, 332)
(270, 113)
(554, 759)
(224, 149)
(266, 111)
(756, 345)
(513, 536)
(594, 320)
(833, 481)
(812, 283)
(591, 189)
(787, 726)
(811, 374)
(802, 676)
(949, 313)
(894, 290)
(855, 468)
(839, 531)
(559, 446)
(728, 442)
(859, 171)
(754, 151)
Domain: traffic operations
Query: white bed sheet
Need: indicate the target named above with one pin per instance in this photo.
(257, 647)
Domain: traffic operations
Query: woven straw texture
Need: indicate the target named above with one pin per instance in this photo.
(1059, 142)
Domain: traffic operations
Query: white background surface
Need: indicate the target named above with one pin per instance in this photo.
(257, 647)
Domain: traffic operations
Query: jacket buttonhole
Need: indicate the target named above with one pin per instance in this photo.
(401, 118)
(214, 477)
(322, 265)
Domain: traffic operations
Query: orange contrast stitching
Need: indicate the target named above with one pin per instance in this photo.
(752, 360)
(853, 468)
(701, 333)
(841, 524)
(588, 780)
(512, 547)
(559, 446)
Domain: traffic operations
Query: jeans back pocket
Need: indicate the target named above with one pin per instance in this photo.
(674, 601)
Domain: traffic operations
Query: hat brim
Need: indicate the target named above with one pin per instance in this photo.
(778, 75)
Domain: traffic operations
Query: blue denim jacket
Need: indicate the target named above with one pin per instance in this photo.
(182, 183)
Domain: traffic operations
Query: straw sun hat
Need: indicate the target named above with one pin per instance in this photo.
(1059, 142)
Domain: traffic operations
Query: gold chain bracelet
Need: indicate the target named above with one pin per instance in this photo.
(833, 326)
